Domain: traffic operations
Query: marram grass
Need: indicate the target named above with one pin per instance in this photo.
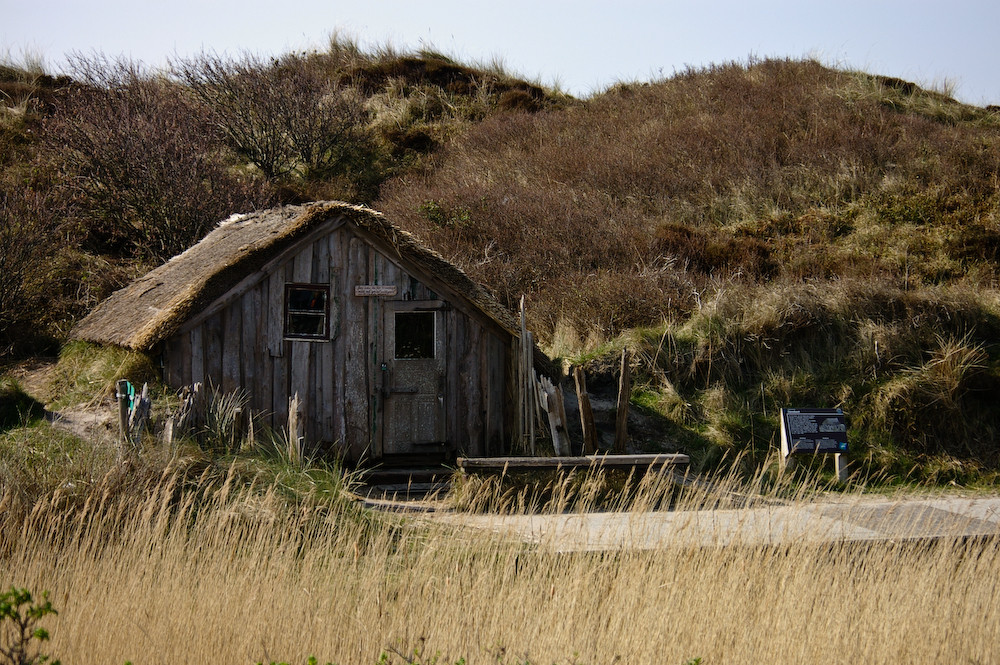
(209, 571)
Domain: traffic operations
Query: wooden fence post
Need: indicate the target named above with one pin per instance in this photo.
(586, 412)
(295, 438)
(624, 392)
(121, 395)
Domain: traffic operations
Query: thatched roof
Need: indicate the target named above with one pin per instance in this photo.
(155, 306)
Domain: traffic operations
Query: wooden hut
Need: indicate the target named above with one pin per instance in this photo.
(392, 351)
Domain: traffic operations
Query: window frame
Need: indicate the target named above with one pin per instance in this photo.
(288, 312)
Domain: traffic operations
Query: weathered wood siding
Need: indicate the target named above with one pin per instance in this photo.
(241, 346)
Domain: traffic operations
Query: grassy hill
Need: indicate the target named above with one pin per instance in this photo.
(760, 235)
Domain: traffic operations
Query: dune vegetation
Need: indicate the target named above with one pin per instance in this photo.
(757, 234)
(196, 563)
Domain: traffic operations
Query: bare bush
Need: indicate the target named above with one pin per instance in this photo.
(288, 116)
(141, 161)
(25, 244)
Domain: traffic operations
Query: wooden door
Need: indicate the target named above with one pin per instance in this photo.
(414, 378)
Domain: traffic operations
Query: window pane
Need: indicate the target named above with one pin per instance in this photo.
(301, 299)
(311, 325)
(414, 335)
(306, 311)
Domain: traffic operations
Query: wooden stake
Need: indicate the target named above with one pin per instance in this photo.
(295, 439)
(168, 432)
(586, 412)
(123, 429)
(840, 464)
(624, 392)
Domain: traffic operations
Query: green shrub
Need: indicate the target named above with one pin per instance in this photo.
(21, 637)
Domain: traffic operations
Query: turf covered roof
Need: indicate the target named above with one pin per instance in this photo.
(155, 306)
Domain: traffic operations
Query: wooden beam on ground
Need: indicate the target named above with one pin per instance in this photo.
(595, 461)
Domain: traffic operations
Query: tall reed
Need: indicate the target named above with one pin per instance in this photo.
(208, 570)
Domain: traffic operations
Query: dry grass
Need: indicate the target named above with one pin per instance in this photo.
(202, 570)
(744, 173)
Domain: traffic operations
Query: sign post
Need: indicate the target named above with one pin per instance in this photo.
(814, 432)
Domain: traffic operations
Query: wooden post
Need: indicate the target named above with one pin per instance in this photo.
(168, 433)
(785, 461)
(840, 463)
(586, 412)
(295, 439)
(537, 407)
(123, 429)
(139, 416)
(624, 392)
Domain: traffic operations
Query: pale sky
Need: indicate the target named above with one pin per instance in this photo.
(584, 45)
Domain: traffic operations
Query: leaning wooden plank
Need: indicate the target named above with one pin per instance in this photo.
(586, 412)
(294, 432)
(299, 384)
(549, 398)
(624, 392)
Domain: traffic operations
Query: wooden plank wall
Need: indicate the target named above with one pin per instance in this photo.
(338, 381)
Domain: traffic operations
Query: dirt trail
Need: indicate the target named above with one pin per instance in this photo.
(92, 420)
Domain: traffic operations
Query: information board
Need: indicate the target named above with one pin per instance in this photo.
(811, 431)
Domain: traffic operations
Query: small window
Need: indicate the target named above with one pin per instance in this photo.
(307, 311)
(414, 335)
